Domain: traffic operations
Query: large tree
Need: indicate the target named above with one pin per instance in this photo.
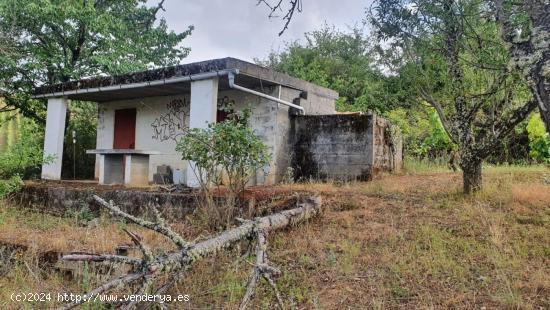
(452, 52)
(50, 41)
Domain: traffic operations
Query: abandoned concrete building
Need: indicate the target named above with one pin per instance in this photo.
(142, 115)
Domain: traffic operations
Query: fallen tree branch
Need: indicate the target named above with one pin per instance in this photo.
(161, 228)
(90, 257)
(152, 267)
(261, 269)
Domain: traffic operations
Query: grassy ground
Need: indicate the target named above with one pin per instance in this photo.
(401, 241)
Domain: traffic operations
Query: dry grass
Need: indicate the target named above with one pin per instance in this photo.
(398, 242)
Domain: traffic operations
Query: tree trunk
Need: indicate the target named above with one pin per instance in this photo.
(471, 176)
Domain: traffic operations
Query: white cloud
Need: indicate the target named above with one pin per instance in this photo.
(240, 29)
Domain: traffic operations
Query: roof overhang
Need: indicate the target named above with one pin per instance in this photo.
(176, 80)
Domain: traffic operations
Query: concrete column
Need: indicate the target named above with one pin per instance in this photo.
(127, 159)
(204, 97)
(53, 140)
(102, 169)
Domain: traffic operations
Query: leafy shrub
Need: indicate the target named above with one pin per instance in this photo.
(22, 160)
(423, 133)
(438, 140)
(10, 185)
(539, 141)
(227, 153)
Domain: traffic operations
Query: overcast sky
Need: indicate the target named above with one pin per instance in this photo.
(239, 28)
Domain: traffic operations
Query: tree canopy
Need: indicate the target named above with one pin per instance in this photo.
(343, 61)
(459, 65)
(52, 41)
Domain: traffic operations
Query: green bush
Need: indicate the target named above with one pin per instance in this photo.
(10, 185)
(539, 141)
(423, 133)
(22, 160)
(228, 149)
(227, 153)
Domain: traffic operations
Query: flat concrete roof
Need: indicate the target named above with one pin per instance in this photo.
(250, 75)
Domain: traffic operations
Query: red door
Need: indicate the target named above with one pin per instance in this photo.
(125, 129)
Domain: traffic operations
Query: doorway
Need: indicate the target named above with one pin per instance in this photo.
(125, 129)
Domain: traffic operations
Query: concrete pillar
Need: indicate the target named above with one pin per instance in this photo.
(127, 169)
(53, 140)
(204, 97)
(101, 164)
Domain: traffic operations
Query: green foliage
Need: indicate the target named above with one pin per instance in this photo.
(229, 149)
(11, 185)
(83, 121)
(539, 140)
(83, 215)
(341, 61)
(46, 42)
(226, 153)
(437, 140)
(423, 133)
(24, 158)
(9, 123)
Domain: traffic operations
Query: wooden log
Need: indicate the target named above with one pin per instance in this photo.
(178, 261)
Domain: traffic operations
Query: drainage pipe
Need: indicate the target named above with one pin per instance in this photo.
(231, 77)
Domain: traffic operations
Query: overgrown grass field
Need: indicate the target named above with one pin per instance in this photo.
(399, 242)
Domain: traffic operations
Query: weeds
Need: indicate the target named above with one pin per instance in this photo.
(409, 241)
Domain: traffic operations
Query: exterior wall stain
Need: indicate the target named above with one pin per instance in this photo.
(342, 147)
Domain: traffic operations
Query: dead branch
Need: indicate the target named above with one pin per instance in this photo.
(176, 263)
(147, 254)
(90, 257)
(159, 227)
(295, 5)
(261, 269)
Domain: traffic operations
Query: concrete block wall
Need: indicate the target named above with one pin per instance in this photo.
(344, 147)
(337, 146)
(315, 104)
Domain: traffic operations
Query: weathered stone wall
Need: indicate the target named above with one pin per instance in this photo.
(67, 198)
(344, 147)
(337, 146)
(64, 199)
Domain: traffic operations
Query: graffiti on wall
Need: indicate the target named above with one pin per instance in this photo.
(172, 124)
(175, 122)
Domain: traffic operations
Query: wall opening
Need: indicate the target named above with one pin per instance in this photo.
(125, 129)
